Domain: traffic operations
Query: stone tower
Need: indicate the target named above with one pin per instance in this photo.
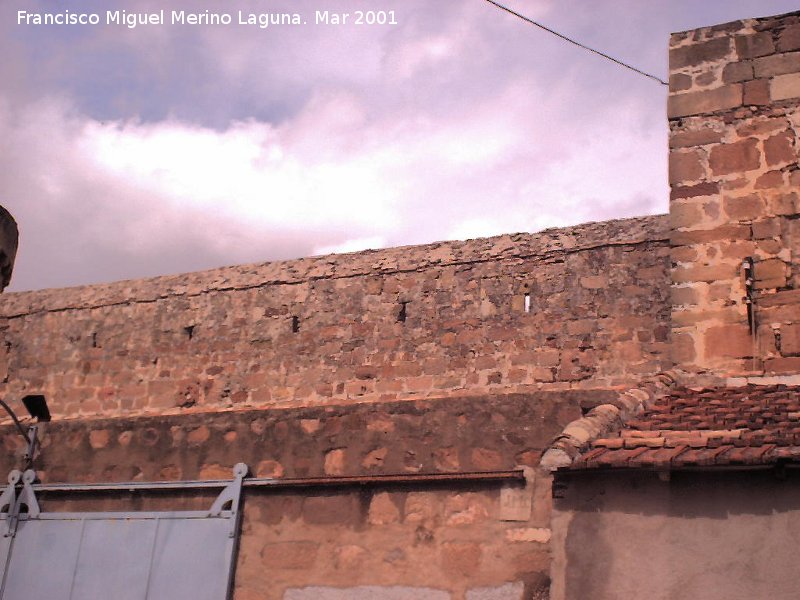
(734, 115)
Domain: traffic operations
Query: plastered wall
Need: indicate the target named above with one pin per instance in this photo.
(725, 535)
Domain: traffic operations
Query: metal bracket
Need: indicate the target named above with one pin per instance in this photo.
(15, 502)
(231, 495)
(8, 499)
(748, 275)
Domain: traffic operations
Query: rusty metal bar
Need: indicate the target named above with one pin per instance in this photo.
(296, 482)
(399, 478)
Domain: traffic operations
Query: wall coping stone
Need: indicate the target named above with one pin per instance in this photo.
(517, 246)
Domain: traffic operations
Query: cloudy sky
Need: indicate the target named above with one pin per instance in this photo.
(132, 152)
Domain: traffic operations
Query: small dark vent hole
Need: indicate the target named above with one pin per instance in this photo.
(189, 331)
(403, 313)
(295, 324)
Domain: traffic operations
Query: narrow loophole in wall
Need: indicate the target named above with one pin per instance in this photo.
(403, 312)
(189, 331)
(526, 302)
(94, 340)
(295, 324)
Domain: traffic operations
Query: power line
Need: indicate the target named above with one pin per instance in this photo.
(571, 41)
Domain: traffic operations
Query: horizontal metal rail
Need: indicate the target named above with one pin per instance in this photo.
(296, 482)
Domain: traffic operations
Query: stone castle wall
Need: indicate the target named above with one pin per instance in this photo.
(400, 539)
(734, 126)
(582, 307)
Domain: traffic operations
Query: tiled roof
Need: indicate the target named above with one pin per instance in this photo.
(751, 425)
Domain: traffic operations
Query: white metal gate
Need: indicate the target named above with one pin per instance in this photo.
(117, 555)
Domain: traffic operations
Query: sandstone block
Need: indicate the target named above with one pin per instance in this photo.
(772, 268)
(735, 157)
(528, 534)
(594, 282)
(685, 215)
(694, 137)
(737, 71)
(745, 208)
(783, 366)
(98, 438)
(421, 507)
(784, 87)
(693, 191)
(366, 592)
(695, 54)
(215, 471)
(783, 204)
(269, 468)
(349, 557)
(683, 348)
(708, 273)
(752, 46)
(309, 426)
(766, 228)
(680, 82)
(508, 591)
(685, 295)
(790, 338)
(770, 179)
(461, 559)
(734, 341)
(486, 459)
(770, 284)
(383, 510)
(779, 149)
(706, 101)
(684, 166)
(198, 435)
(684, 254)
(375, 458)
(778, 64)
(465, 509)
(446, 459)
(335, 462)
(789, 39)
(756, 92)
(334, 509)
(736, 249)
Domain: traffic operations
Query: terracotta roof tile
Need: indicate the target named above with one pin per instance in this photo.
(751, 425)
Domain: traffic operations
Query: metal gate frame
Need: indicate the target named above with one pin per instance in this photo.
(22, 520)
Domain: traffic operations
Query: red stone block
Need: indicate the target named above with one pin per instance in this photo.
(752, 46)
(695, 54)
(735, 157)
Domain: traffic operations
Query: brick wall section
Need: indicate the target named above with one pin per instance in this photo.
(733, 168)
(403, 323)
(449, 537)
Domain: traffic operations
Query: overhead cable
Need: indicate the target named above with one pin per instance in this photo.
(571, 41)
